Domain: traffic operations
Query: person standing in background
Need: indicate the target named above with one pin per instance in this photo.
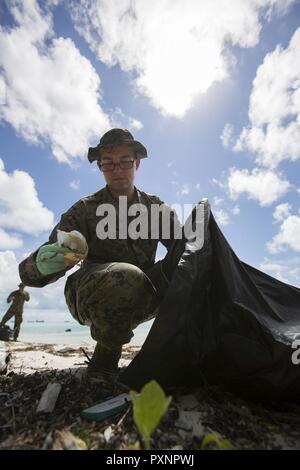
(17, 297)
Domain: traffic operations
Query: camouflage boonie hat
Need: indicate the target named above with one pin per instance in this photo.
(116, 137)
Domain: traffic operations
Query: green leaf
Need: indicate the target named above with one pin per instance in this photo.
(210, 441)
(226, 445)
(149, 406)
(214, 442)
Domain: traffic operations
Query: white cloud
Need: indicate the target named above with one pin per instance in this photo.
(52, 91)
(119, 119)
(2, 91)
(282, 211)
(9, 241)
(218, 183)
(51, 296)
(227, 135)
(54, 2)
(264, 186)
(222, 217)
(20, 207)
(74, 184)
(134, 124)
(285, 270)
(184, 190)
(175, 50)
(235, 210)
(287, 237)
(274, 111)
(48, 302)
(9, 275)
(217, 200)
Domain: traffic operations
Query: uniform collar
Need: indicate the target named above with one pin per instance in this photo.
(110, 198)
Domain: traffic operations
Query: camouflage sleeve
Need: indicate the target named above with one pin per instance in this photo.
(9, 298)
(73, 219)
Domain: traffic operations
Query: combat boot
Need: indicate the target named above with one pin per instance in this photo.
(104, 363)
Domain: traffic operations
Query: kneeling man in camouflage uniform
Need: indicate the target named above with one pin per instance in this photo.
(118, 285)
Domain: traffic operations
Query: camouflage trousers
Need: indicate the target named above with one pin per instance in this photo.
(113, 299)
(18, 314)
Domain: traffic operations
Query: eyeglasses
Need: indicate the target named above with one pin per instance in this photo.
(123, 164)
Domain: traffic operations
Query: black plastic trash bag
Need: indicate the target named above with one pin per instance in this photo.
(6, 333)
(221, 322)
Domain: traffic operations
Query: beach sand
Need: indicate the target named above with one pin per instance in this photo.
(192, 415)
(28, 357)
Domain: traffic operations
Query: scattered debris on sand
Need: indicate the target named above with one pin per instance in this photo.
(192, 415)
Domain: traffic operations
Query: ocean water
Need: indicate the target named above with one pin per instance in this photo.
(55, 333)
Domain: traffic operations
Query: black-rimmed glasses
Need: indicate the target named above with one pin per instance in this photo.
(123, 164)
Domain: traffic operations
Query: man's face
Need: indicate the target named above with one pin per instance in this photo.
(119, 179)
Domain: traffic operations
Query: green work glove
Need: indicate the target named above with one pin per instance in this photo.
(51, 259)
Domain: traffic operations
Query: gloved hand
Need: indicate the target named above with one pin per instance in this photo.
(54, 258)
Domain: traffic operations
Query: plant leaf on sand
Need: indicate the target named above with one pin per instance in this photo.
(149, 406)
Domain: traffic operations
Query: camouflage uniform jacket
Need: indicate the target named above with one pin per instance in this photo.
(82, 217)
(18, 298)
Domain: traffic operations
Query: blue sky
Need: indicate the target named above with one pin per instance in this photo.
(210, 87)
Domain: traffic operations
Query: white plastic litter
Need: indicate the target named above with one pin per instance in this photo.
(73, 240)
(66, 350)
(49, 397)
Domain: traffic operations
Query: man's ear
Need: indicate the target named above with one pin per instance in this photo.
(137, 163)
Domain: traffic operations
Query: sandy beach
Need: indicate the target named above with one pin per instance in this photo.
(29, 357)
(193, 414)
